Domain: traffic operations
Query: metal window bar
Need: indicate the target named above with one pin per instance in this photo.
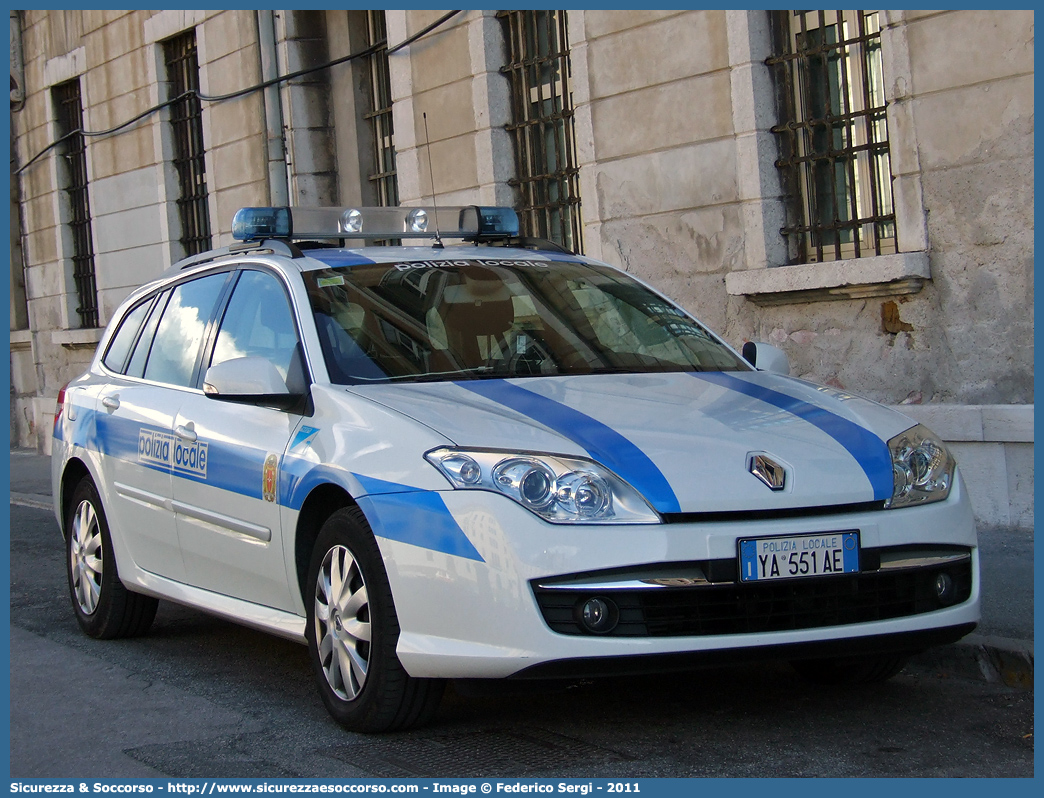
(542, 128)
(833, 136)
(384, 177)
(73, 152)
(186, 120)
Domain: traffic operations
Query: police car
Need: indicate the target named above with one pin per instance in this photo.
(493, 459)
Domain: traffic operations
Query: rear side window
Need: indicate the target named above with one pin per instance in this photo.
(125, 336)
(140, 355)
(175, 349)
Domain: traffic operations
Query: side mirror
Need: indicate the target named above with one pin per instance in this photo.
(249, 380)
(766, 357)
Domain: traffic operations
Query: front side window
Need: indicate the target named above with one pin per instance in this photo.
(258, 323)
(175, 347)
(487, 318)
(833, 135)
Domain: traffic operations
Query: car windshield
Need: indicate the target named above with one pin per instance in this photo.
(481, 318)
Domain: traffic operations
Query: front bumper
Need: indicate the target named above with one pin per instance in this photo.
(475, 618)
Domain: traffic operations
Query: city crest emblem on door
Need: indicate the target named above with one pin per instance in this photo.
(268, 478)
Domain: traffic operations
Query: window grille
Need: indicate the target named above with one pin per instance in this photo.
(833, 135)
(383, 178)
(73, 152)
(542, 126)
(186, 120)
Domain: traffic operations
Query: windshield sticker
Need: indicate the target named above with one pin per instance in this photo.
(164, 449)
(269, 478)
(326, 282)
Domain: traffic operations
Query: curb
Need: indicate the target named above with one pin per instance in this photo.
(34, 500)
(997, 660)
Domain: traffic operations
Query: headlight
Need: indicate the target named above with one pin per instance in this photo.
(922, 468)
(563, 490)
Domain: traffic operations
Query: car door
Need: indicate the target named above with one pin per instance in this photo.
(135, 420)
(225, 479)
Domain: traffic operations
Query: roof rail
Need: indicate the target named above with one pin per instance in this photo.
(274, 245)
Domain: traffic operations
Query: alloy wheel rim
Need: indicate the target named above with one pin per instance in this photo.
(85, 556)
(342, 623)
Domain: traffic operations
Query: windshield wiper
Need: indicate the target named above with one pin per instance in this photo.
(439, 376)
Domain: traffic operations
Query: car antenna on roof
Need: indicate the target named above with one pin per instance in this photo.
(431, 176)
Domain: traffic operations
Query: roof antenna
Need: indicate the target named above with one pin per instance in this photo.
(431, 176)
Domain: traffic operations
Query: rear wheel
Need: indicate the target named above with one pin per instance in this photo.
(353, 631)
(104, 608)
(851, 670)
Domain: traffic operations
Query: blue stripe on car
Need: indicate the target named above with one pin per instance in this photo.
(604, 444)
(335, 258)
(869, 451)
(419, 518)
(372, 485)
(397, 512)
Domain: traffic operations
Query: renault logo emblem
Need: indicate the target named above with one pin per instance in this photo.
(767, 470)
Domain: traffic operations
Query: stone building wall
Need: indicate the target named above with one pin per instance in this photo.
(117, 56)
(679, 187)
(667, 176)
(452, 76)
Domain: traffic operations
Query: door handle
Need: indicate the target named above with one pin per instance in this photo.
(186, 432)
(111, 402)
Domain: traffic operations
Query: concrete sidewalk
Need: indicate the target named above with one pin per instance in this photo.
(1000, 650)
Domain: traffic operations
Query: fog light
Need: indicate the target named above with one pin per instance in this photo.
(944, 588)
(599, 615)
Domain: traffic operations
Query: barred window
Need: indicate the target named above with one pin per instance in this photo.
(72, 153)
(833, 135)
(542, 126)
(379, 113)
(186, 120)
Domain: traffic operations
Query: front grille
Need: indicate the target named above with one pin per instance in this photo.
(775, 606)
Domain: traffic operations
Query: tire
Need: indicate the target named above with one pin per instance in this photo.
(104, 608)
(353, 631)
(851, 671)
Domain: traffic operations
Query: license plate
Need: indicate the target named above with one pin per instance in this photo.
(798, 556)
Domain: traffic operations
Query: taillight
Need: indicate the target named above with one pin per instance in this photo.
(59, 408)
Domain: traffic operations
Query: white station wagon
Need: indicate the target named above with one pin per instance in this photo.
(496, 459)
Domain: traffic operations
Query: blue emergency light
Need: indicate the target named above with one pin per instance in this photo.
(469, 222)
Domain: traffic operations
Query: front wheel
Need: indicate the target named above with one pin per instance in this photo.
(104, 608)
(353, 631)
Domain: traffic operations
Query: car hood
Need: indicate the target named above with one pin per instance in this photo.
(684, 440)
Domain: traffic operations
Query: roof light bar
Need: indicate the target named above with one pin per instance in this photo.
(470, 222)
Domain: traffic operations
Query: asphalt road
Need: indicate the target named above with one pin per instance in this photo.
(199, 697)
